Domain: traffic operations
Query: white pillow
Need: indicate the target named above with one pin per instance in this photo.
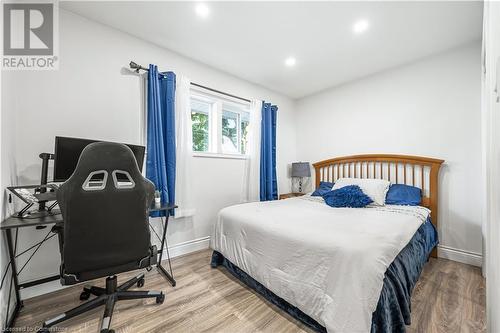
(376, 189)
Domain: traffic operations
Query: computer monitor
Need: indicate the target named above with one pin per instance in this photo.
(67, 152)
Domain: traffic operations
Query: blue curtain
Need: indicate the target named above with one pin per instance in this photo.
(268, 179)
(160, 161)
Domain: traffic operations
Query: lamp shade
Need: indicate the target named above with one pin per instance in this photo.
(301, 169)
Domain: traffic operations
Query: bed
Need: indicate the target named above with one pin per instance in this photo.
(336, 269)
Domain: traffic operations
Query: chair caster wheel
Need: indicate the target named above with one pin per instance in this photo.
(85, 295)
(140, 283)
(160, 299)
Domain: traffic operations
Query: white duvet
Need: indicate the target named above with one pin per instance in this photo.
(328, 262)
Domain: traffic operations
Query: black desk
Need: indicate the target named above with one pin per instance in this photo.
(15, 223)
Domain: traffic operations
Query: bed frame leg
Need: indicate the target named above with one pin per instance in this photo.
(434, 253)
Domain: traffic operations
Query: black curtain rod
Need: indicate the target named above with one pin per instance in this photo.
(138, 68)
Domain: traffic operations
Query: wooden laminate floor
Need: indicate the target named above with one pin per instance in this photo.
(449, 297)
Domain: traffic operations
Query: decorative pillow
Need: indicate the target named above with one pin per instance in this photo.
(400, 194)
(347, 196)
(323, 188)
(376, 189)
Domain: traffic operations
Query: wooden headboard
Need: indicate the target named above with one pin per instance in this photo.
(417, 171)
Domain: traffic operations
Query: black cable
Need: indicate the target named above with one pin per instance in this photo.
(31, 256)
(5, 274)
(35, 245)
(20, 254)
(8, 302)
(11, 281)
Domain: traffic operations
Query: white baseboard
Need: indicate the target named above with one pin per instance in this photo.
(465, 257)
(189, 246)
(41, 289)
(175, 251)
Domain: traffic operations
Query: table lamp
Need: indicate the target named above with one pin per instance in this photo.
(301, 170)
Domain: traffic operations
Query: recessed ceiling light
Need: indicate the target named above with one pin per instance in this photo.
(290, 61)
(360, 26)
(202, 10)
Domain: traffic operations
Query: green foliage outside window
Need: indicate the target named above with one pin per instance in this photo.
(200, 131)
(234, 128)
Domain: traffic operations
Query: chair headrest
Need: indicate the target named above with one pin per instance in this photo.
(106, 156)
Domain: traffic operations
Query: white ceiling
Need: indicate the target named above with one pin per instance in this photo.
(251, 40)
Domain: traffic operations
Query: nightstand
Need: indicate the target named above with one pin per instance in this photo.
(290, 195)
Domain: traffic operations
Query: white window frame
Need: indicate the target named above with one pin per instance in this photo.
(211, 121)
(217, 102)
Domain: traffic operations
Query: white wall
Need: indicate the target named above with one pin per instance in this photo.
(8, 172)
(491, 151)
(429, 108)
(93, 96)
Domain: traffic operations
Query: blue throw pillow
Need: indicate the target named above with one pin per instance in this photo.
(324, 187)
(400, 194)
(347, 196)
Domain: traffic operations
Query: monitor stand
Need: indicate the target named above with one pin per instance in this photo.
(44, 175)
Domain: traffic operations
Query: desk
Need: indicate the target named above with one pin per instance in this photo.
(16, 223)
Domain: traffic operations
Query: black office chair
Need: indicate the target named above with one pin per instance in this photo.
(105, 231)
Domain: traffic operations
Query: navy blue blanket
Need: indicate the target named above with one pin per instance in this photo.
(394, 305)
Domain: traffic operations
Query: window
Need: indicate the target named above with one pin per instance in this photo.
(220, 126)
(200, 118)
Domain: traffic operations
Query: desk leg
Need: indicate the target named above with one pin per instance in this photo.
(14, 279)
(168, 275)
